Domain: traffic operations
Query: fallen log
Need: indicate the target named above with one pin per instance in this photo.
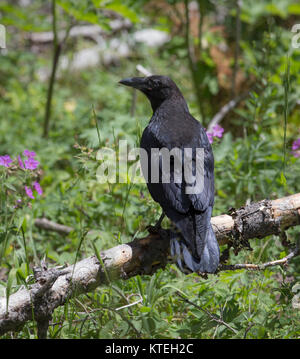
(256, 220)
(54, 286)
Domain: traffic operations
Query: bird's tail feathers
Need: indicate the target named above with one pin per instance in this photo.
(196, 249)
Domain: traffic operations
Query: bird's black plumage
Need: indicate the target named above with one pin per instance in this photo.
(172, 126)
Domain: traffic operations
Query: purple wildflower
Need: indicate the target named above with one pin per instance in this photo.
(29, 154)
(21, 164)
(296, 145)
(296, 148)
(296, 154)
(210, 137)
(218, 131)
(31, 163)
(38, 188)
(18, 204)
(29, 192)
(5, 161)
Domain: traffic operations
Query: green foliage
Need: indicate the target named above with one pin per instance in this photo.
(253, 161)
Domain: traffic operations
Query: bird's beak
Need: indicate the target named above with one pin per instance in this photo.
(136, 82)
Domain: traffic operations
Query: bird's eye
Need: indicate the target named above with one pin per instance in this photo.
(154, 83)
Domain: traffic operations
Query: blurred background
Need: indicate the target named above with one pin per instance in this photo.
(237, 62)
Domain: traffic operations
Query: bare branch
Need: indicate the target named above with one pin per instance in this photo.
(143, 70)
(250, 266)
(218, 117)
(48, 225)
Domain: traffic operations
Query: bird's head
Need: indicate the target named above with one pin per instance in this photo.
(156, 88)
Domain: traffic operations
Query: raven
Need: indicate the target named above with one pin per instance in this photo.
(193, 242)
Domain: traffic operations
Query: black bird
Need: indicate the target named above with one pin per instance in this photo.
(172, 126)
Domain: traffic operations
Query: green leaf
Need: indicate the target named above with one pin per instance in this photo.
(81, 11)
(22, 222)
(294, 9)
(10, 186)
(10, 279)
(282, 179)
(123, 10)
(145, 309)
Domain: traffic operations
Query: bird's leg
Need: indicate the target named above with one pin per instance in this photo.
(155, 229)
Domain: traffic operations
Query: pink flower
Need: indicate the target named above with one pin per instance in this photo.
(218, 131)
(21, 162)
(29, 192)
(296, 154)
(296, 145)
(38, 188)
(210, 137)
(5, 161)
(29, 154)
(31, 163)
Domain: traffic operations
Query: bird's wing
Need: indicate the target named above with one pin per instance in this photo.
(175, 195)
(203, 195)
(168, 195)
